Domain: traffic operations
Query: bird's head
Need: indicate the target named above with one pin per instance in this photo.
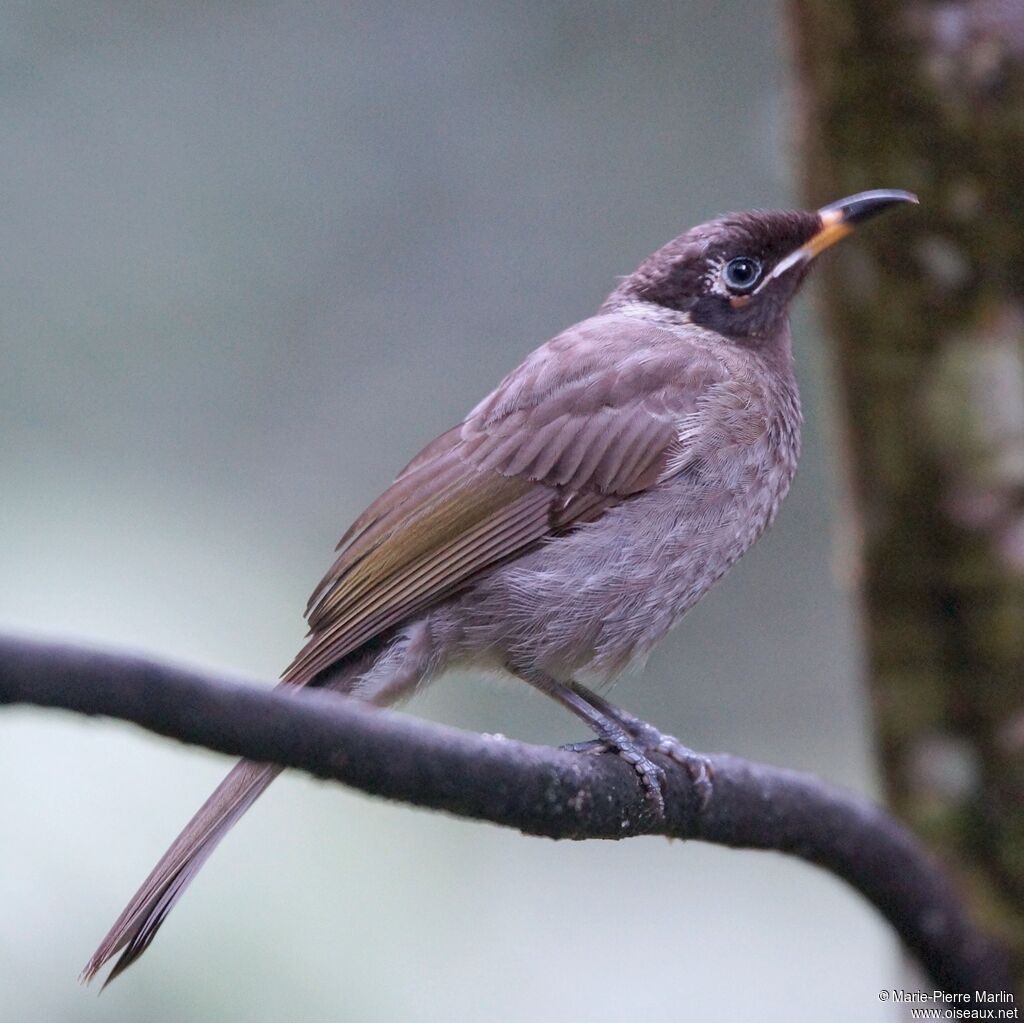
(736, 275)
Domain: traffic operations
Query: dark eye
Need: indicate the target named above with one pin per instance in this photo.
(741, 274)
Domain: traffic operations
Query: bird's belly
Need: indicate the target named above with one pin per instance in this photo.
(591, 604)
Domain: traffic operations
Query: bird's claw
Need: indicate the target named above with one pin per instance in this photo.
(652, 777)
(698, 767)
(646, 739)
(591, 747)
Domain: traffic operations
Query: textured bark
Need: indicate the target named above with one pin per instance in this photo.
(925, 312)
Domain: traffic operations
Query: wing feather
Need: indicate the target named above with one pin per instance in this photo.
(400, 588)
(588, 420)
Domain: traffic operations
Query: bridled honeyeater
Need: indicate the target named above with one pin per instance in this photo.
(573, 517)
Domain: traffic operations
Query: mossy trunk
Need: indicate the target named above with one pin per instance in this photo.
(925, 311)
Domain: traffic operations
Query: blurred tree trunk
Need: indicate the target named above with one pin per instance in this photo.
(926, 315)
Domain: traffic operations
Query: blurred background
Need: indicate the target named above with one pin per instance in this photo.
(254, 257)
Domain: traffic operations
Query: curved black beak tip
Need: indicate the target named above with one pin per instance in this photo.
(855, 209)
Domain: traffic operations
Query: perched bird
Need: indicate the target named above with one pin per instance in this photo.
(573, 517)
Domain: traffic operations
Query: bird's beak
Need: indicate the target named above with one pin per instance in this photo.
(838, 219)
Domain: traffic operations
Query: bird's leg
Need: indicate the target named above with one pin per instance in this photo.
(651, 740)
(611, 732)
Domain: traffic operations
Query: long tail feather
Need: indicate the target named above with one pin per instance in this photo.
(136, 927)
(383, 674)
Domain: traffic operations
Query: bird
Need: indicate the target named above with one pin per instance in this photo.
(572, 518)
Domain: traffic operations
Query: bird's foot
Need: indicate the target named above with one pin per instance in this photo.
(645, 739)
(632, 739)
(698, 766)
(652, 777)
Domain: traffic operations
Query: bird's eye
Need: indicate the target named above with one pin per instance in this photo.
(741, 274)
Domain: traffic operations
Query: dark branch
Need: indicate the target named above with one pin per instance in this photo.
(540, 791)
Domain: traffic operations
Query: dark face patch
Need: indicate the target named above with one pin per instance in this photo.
(713, 271)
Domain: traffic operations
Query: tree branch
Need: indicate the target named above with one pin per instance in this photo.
(538, 790)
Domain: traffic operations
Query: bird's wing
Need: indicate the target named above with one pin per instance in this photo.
(588, 420)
